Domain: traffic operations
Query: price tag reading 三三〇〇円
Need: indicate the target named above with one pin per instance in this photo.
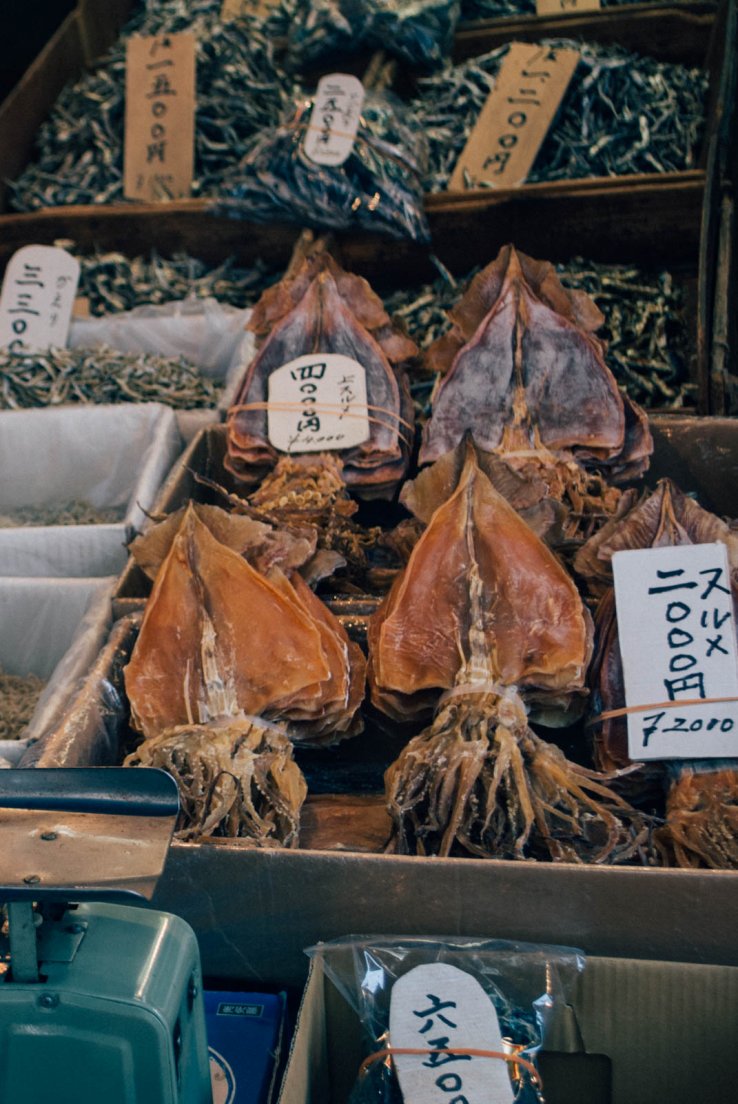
(677, 641)
(438, 1007)
(317, 403)
(37, 297)
(334, 119)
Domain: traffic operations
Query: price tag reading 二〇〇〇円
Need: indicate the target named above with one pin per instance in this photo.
(677, 641)
(561, 7)
(160, 116)
(317, 403)
(37, 297)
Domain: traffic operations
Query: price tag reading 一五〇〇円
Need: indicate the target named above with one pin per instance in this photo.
(160, 116)
(677, 641)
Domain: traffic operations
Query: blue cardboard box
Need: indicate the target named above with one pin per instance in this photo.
(244, 1041)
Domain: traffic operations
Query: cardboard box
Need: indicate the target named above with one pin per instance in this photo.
(648, 1033)
(107, 456)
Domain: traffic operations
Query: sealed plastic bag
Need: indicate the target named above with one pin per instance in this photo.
(378, 187)
(441, 997)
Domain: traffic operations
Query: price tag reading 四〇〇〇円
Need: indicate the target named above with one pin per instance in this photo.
(334, 119)
(37, 297)
(317, 403)
(677, 641)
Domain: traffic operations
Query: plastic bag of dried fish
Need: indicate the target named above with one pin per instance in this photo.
(78, 155)
(622, 113)
(378, 187)
(526, 985)
(419, 34)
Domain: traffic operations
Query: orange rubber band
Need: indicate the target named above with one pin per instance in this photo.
(471, 1052)
(610, 713)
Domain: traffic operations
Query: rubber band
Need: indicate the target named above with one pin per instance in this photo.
(610, 713)
(330, 408)
(471, 1052)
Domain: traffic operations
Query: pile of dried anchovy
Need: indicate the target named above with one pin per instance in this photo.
(240, 90)
(644, 327)
(111, 282)
(622, 113)
(18, 697)
(100, 376)
(67, 513)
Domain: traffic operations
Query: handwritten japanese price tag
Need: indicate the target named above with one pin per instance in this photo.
(515, 119)
(439, 1007)
(160, 116)
(317, 403)
(334, 120)
(560, 7)
(677, 641)
(37, 297)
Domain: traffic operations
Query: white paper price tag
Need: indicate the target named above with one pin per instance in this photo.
(334, 120)
(440, 1007)
(317, 403)
(37, 297)
(677, 642)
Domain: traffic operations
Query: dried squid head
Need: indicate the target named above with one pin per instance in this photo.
(219, 639)
(479, 780)
(522, 370)
(323, 321)
(479, 586)
(702, 819)
(237, 780)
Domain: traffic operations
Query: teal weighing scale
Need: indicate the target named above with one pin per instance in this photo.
(100, 1000)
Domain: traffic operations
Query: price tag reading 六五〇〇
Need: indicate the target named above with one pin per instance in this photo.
(438, 1007)
(334, 119)
(317, 403)
(37, 297)
(677, 641)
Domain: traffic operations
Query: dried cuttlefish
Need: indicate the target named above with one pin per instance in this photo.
(223, 650)
(486, 613)
(321, 309)
(522, 369)
(703, 797)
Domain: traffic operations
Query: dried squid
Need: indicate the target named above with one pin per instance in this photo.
(522, 370)
(484, 614)
(702, 801)
(319, 308)
(227, 653)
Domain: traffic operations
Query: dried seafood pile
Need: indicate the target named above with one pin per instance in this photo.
(79, 149)
(65, 513)
(702, 799)
(62, 376)
(112, 283)
(318, 308)
(214, 707)
(18, 697)
(622, 113)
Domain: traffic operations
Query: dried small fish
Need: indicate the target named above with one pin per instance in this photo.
(67, 513)
(62, 376)
(419, 34)
(112, 283)
(378, 187)
(485, 610)
(79, 149)
(622, 113)
(18, 697)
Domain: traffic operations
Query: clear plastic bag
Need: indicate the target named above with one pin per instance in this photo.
(378, 187)
(420, 32)
(528, 986)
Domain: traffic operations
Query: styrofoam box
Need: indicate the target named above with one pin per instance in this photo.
(107, 456)
(52, 628)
